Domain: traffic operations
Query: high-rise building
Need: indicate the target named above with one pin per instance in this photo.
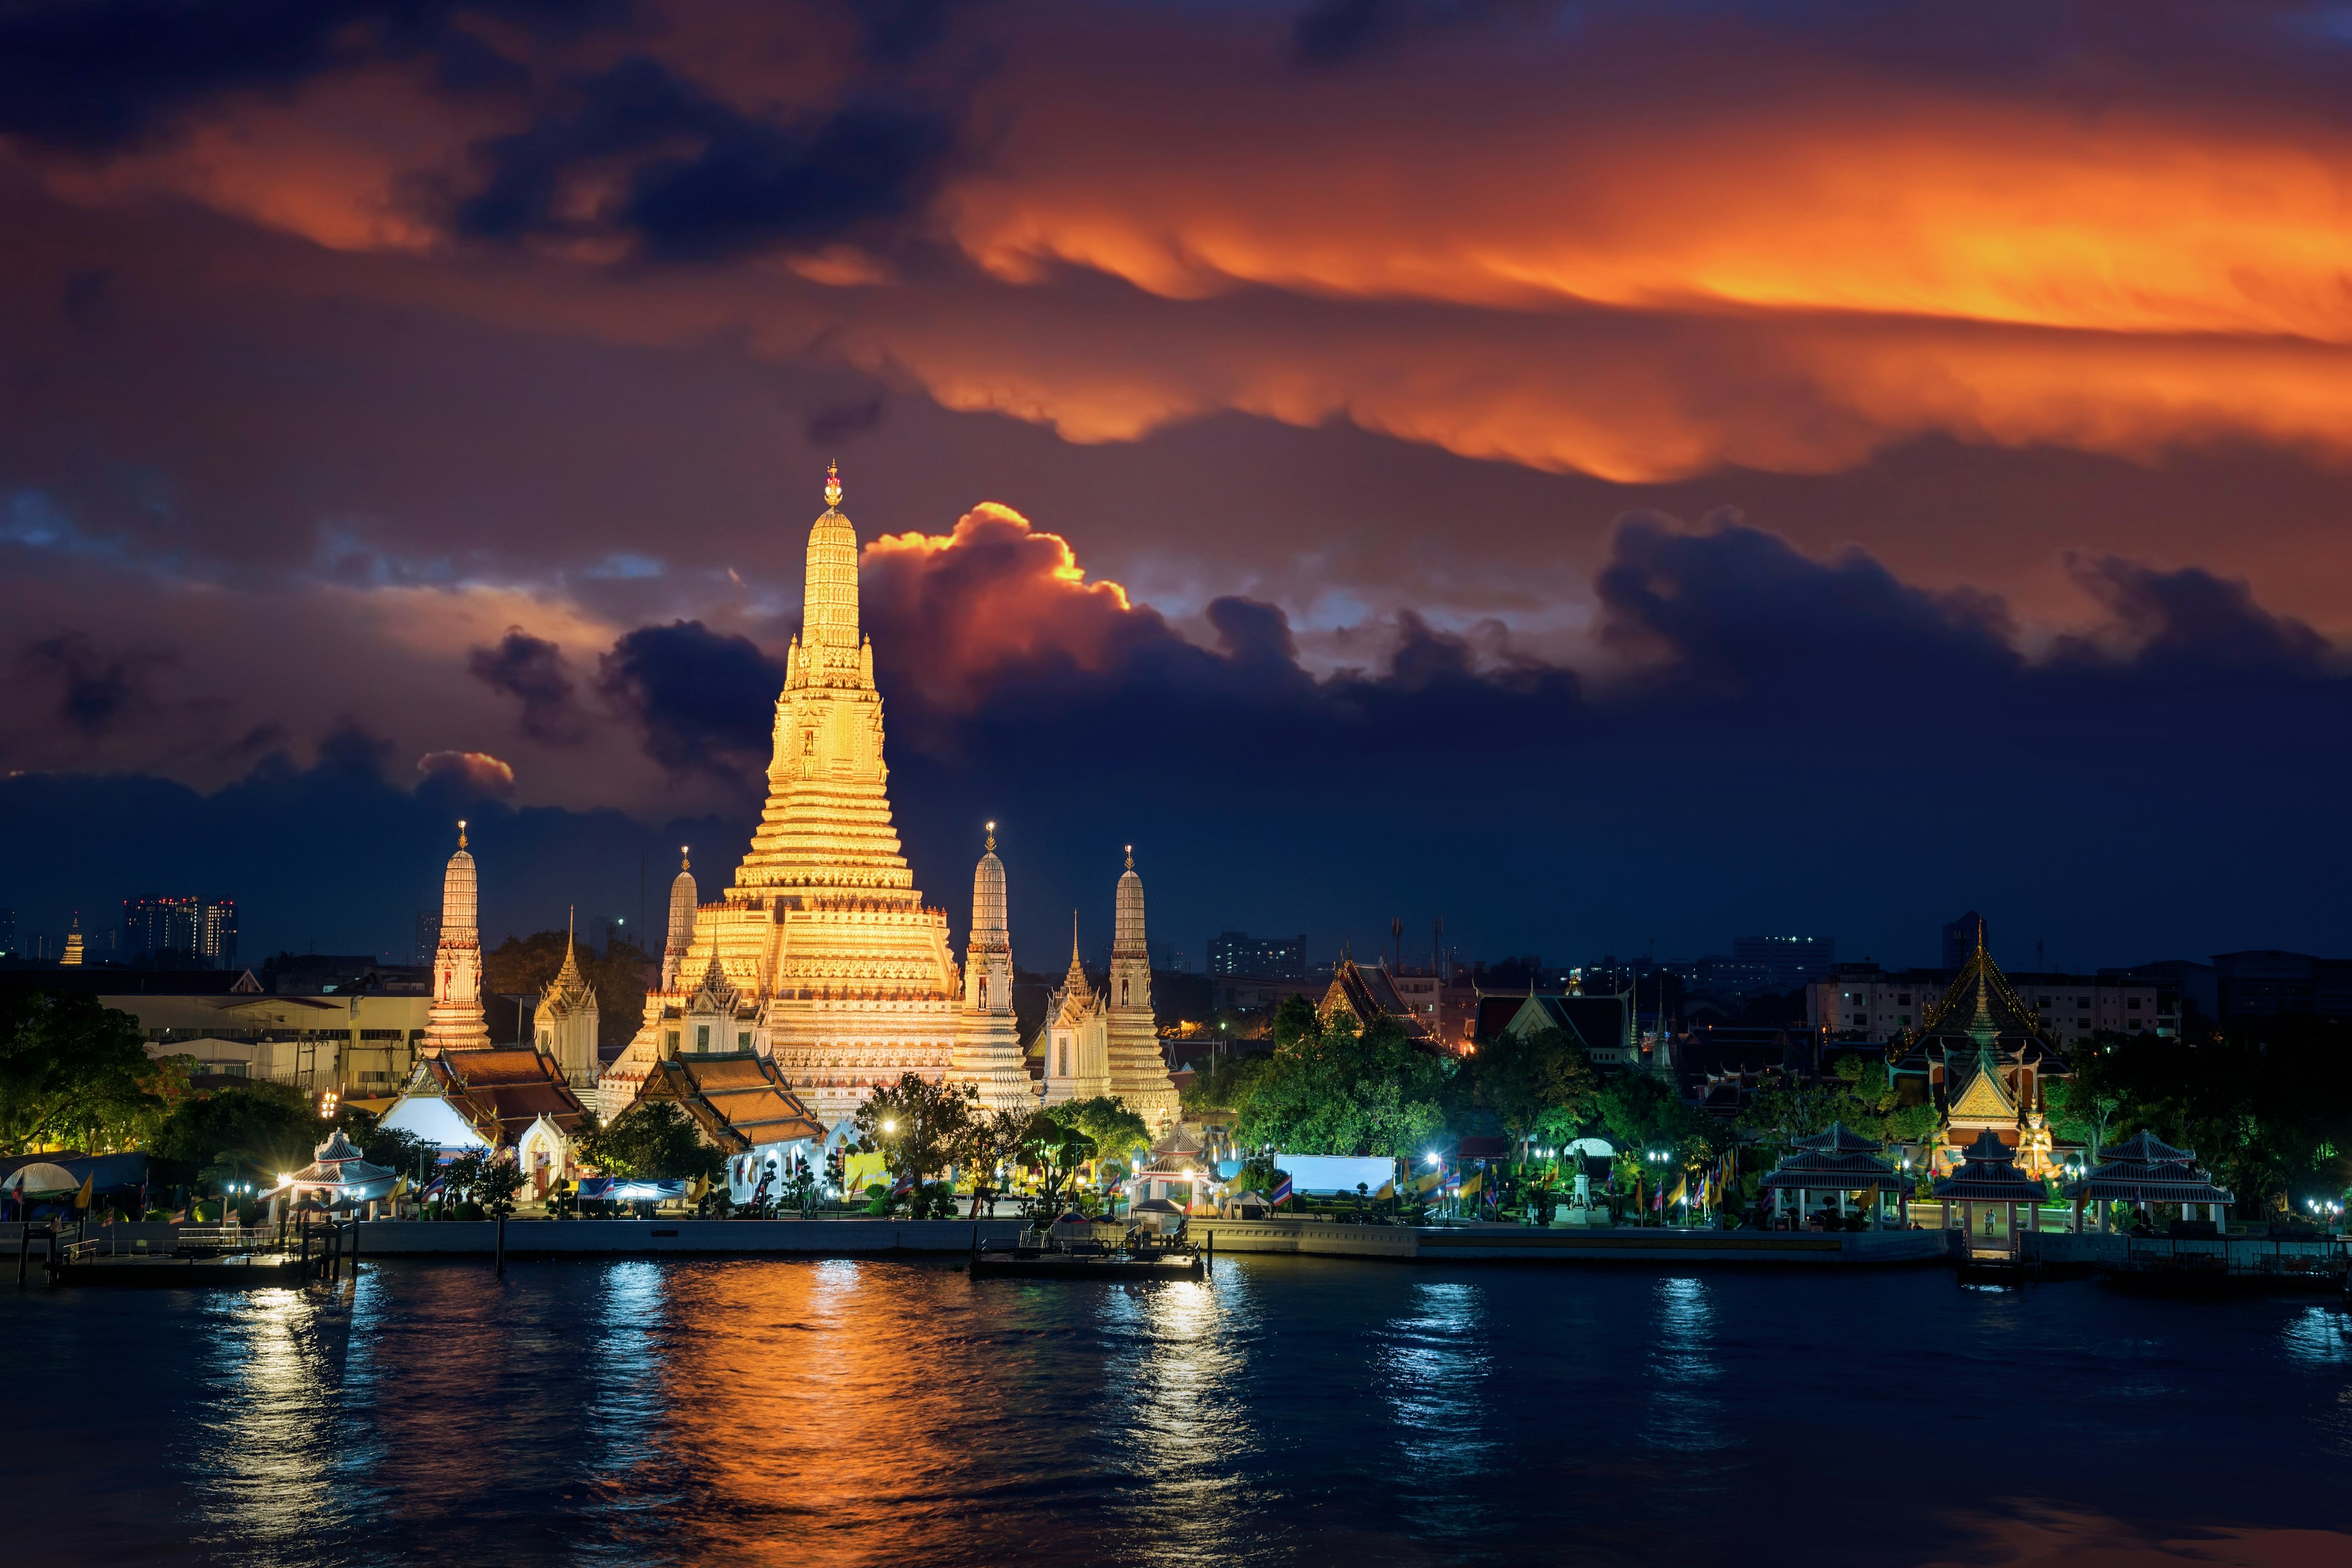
(216, 932)
(427, 938)
(7, 932)
(1266, 958)
(161, 924)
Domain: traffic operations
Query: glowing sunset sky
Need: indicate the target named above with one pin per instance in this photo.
(1602, 472)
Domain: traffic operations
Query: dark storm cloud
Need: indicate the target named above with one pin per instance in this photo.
(713, 181)
(95, 690)
(95, 75)
(2191, 620)
(1330, 32)
(532, 670)
(703, 700)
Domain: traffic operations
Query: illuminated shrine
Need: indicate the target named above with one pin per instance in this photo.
(820, 953)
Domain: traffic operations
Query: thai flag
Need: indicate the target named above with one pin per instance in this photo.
(1281, 1194)
(906, 1185)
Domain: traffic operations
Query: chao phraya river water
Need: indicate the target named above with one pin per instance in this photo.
(1290, 1411)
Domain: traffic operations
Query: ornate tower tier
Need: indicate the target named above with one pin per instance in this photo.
(456, 1022)
(988, 1037)
(1139, 1072)
(842, 974)
(682, 906)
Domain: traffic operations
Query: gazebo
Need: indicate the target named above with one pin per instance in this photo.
(2144, 1170)
(1176, 1171)
(1987, 1178)
(336, 1177)
(1839, 1161)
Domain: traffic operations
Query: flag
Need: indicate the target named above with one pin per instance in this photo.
(400, 1187)
(1470, 1188)
(1281, 1194)
(906, 1185)
(1434, 1179)
(1388, 1190)
(701, 1186)
(1682, 1189)
(88, 1189)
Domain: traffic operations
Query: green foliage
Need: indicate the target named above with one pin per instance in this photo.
(653, 1142)
(1540, 1084)
(917, 1126)
(1055, 1150)
(1329, 1091)
(254, 1128)
(1641, 1112)
(496, 1187)
(1859, 1092)
(72, 1071)
(2267, 1107)
(1115, 1130)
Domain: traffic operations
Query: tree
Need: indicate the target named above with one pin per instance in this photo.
(258, 1127)
(916, 1125)
(1055, 1150)
(1116, 1130)
(1329, 1090)
(1642, 1112)
(496, 1187)
(71, 1070)
(1541, 1080)
(653, 1140)
(994, 1140)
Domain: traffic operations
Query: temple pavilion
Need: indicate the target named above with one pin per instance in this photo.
(1982, 1058)
(1984, 1193)
(2144, 1171)
(338, 1176)
(1832, 1165)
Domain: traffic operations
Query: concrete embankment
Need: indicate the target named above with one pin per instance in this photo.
(952, 1237)
(1528, 1244)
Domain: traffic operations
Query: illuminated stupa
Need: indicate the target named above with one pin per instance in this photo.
(988, 1037)
(822, 953)
(456, 1022)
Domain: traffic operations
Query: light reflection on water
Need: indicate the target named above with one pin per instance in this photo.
(1289, 1410)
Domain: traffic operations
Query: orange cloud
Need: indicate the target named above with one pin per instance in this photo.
(478, 772)
(953, 611)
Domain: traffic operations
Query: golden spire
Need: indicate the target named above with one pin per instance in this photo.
(1073, 939)
(991, 838)
(461, 833)
(1130, 857)
(684, 863)
(833, 484)
(571, 914)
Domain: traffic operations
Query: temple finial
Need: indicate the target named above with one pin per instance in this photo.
(461, 833)
(571, 916)
(685, 862)
(833, 484)
(1130, 857)
(991, 838)
(1074, 938)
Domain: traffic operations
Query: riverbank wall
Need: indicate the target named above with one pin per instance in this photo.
(953, 1237)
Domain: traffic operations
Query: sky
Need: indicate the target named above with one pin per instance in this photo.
(1611, 476)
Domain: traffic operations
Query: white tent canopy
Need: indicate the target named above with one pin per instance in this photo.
(41, 1176)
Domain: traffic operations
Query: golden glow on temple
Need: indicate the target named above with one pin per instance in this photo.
(822, 953)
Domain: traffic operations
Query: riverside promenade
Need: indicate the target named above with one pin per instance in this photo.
(953, 1237)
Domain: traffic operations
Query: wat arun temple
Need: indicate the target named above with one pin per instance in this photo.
(822, 955)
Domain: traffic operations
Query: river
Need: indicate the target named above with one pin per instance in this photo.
(1291, 1410)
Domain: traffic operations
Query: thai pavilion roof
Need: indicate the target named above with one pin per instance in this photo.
(1989, 1175)
(739, 1099)
(501, 1089)
(346, 1173)
(2145, 1168)
(1837, 1138)
(1821, 1172)
(1371, 995)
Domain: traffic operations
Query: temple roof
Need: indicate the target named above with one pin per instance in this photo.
(1980, 1005)
(1987, 1097)
(739, 1099)
(2145, 1168)
(502, 1090)
(1990, 1176)
(1369, 994)
(1838, 1139)
(1820, 1171)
